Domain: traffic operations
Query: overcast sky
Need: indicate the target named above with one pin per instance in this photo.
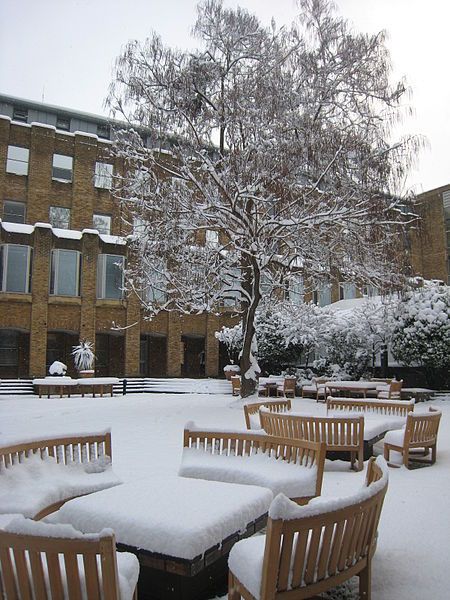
(62, 51)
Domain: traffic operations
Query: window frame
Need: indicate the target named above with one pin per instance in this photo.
(344, 286)
(102, 265)
(103, 216)
(16, 203)
(59, 176)
(4, 268)
(103, 177)
(55, 258)
(12, 161)
(62, 208)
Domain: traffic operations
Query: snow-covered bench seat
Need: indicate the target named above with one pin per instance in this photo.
(294, 467)
(368, 405)
(97, 384)
(60, 385)
(344, 433)
(37, 477)
(251, 411)
(310, 549)
(41, 560)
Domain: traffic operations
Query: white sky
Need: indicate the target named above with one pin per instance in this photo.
(62, 52)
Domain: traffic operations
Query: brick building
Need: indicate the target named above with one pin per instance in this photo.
(62, 244)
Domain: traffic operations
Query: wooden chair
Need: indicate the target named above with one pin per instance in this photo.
(300, 557)
(288, 387)
(394, 392)
(252, 409)
(42, 568)
(236, 385)
(419, 434)
(317, 390)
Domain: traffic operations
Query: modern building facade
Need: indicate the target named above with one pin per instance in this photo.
(63, 246)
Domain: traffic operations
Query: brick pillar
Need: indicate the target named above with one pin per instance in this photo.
(88, 286)
(40, 173)
(173, 345)
(83, 176)
(39, 308)
(133, 336)
(212, 346)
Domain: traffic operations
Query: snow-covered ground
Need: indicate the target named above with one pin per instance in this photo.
(412, 557)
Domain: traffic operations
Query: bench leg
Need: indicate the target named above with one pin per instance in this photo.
(360, 459)
(365, 583)
(386, 452)
(233, 593)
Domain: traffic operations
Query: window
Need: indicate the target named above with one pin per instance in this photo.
(102, 223)
(15, 268)
(154, 290)
(20, 113)
(110, 276)
(62, 167)
(17, 160)
(103, 175)
(212, 238)
(370, 291)
(65, 273)
(347, 291)
(104, 131)
(322, 296)
(9, 348)
(231, 290)
(13, 212)
(60, 217)
(296, 289)
(63, 123)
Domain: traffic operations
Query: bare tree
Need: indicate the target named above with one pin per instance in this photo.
(276, 139)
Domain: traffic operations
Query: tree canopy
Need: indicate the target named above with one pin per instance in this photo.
(263, 157)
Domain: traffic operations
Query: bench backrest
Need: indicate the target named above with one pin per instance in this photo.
(422, 428)
(272, 405)
(302, 452)
(43, 567)
(400, 408)
(315, 551)
(345, 431)
(85, 448)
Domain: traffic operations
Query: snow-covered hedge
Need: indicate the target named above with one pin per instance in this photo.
(421, 333)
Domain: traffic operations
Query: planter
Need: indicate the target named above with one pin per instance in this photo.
(86, 373)
(230, 371)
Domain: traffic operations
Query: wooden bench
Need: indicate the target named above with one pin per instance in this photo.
(99, 384)
(305, 455)
(340, 434)
(65, 450)
(273, 405)
(420, 433)
(59, 385)
(384, 407)
(37, 565)
(310, 549)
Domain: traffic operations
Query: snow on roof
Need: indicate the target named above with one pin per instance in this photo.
(68, 234)
(112, 239)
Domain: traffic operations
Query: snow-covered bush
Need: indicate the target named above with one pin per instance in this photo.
(421, 333)
(57, 368)
(83, 356)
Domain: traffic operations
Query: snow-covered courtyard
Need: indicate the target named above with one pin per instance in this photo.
(147, 430)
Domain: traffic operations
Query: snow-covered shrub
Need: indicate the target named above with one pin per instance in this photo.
(421, 333)
(83, 356)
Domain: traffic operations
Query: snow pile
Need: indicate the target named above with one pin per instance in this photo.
(259, 469)
(35, 483)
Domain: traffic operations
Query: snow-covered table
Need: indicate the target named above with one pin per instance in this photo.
(181, 529)
(354, 387)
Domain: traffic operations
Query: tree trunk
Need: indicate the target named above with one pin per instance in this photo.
(248, 384)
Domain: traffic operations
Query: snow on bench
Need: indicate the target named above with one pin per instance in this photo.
(37, 477)
(294, 467)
